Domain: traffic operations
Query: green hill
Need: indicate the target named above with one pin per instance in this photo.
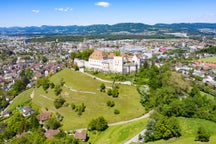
(78, 89)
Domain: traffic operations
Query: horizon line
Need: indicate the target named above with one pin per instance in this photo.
(110, 24)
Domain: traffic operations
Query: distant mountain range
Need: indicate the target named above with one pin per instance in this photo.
(116, 29)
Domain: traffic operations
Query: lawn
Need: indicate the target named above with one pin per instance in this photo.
(209, 96)
(189, 127)
(127, 102)
(209, 59)
(112, 76)
(21, 99)
(118, 134)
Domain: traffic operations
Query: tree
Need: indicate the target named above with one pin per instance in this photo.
(33, 121)
(59, 102)
(116, 111)
(102, 87)
(115, 92)
(202, 135)
(44, 59)
(99, 124)
(144, 94)
(52, 123)
(80, 109)
(26, 73)
(162, 128)
(57, 90)
(45, 84)
(194, 91)
(109, 92)
(52, 85)
(17, 123)
(62, 82)
(73, 55)
(75, 67)
(110, 103)
(149, 133)
(18, 86)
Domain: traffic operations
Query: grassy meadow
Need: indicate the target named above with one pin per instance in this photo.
(209, 59)
(118, 134)
(189, 127)
(89, 94)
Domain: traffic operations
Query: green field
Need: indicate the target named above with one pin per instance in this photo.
(189, 127)
(209, 59)
(118, 134)
(23, 98)
(127, 102)
(209, 96)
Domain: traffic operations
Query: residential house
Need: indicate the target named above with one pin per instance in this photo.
(7, 113)
(44, 116)
(81, 135)
(51, 133)
(26, 111)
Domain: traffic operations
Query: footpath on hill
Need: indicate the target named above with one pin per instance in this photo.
(124, 122)
(107, 81)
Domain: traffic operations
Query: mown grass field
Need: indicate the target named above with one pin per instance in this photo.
(23, 98)
(209, 59)
(209, 96)
(118, 134)
(127, 102)
(189, 127)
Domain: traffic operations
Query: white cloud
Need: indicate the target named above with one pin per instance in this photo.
(103, 4)
(63, 9)
(36, 11)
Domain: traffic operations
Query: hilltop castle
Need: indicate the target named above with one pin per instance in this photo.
(104, 62)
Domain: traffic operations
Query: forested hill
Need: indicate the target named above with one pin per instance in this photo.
(116, 29)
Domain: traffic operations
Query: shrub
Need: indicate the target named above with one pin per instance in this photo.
(73, 106)
(109, 92)
(116, 111)
(110, 103)
(202, 135)
(102, 87)
(115, 92)
(59, 102)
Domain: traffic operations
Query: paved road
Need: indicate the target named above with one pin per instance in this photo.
(135, 138)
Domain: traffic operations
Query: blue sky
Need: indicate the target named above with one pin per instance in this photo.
(87, 12)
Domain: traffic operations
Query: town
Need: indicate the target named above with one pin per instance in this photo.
(32, 61)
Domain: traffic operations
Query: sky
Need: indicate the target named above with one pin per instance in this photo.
(87, 12)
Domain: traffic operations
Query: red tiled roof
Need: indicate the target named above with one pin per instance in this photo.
(44, 116)
(205, 64)
(111, 55)
(50, 133)
(80, 135)
(97, 55)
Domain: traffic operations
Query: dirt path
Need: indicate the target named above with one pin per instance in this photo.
(132, 120)
(107, 81)
(47, 98)
(124, 122)
(32, 94)
(80, 91)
